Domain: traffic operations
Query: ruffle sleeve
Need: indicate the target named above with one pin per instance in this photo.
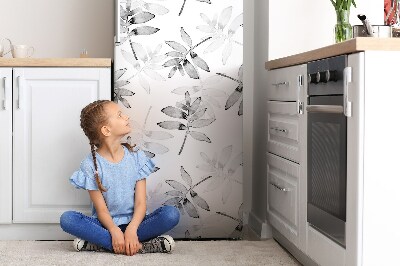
(84, 178)
(145, 165)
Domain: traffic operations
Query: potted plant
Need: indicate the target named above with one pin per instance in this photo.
(343, 29)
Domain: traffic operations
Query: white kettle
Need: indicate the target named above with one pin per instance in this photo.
(2, 47)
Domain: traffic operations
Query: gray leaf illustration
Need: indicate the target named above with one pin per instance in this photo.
(157, 59)
(187, 98)
(156, 8)
(177, 46)
(118, 73)
(195, 105)
(205, 18)
(130, 58)
(182, 106)
(240, 112)
(206, 28)
(199, 136)
(174, 112)
(181, 210)
(182, 90)
(235, 24)
(206, 167)
(186, 177)
(178, 186)
(174, 54)
(153, 75)
(226, 52)
(190, 70)
(198, 114)
(172, 125)
(205, 157)
(155, 147)
(226, 192)
(234, 97)
(186, 38)
(123, 92)
(217, 43)
(120, 83)
(181, 70)
(143, 30)
(141, 18)
(224, 156)
(172, 72)
(190, 208)
(224, 17)
(199, 62)
(173, 201)
(199, 201)
(144, 83)
(201, 122)
(175, 193)
(206, 1)
(171, 62)
(158, 135)
(139, 51)
(124, 102)
(215, 183)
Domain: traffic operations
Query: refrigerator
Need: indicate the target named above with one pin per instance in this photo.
(178, 74)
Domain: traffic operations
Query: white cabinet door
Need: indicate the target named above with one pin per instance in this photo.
(5, 146)
(48, 142)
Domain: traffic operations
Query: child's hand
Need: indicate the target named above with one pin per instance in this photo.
(118, 241)
(132, 244)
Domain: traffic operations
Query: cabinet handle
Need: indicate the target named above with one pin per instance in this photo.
(280, 129)
(286, 83)
(117, 21)
(279, 187)
(5, 93)
(20, 88)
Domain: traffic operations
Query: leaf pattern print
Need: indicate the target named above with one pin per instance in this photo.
(237, 94)
(145, 62)
(184, 2)
(150, 7)
(120, 93)
(192, 113)
(179, 60)
(221, 172)
(220, 33)
(239, 228)
(145, 139)
(180, 198)
(133, 15)
(207, 90)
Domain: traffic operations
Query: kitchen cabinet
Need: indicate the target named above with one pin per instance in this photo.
(42, 144)
(371, 108)
(285, 122)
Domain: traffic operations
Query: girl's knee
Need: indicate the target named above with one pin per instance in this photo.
(68, 218)
(172, 214)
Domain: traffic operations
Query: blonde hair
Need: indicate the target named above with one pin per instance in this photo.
(93, 117)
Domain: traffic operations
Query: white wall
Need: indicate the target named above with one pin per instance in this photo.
(60, 28)
(303, 25)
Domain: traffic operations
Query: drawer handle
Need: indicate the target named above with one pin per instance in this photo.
(279, 187)
(280, 129)
(5, 93)
(284, 83)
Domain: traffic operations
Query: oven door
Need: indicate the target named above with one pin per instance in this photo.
(326, 166)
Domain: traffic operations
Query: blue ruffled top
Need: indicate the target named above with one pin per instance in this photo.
(118, 178)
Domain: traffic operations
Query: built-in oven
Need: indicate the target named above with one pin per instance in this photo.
(327, 148)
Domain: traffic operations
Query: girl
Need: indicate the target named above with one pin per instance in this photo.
(115, 176)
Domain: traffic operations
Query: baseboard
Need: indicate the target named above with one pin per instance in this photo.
(292, 249)
(262, 229)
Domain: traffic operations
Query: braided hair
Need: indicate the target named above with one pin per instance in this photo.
(93, 117)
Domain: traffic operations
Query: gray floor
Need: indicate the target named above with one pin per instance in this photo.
(239, 252)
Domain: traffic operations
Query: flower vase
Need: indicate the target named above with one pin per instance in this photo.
(343, 30)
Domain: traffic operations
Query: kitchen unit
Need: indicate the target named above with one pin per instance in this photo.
(41, 141)
(347, 154)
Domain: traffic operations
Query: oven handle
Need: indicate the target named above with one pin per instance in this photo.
(335, 109)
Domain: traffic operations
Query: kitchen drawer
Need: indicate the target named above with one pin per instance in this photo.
(283, 130)
(283, 196)
(284, 83)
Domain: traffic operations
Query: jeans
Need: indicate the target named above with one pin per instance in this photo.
(90, 229)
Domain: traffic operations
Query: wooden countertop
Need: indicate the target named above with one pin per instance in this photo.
(55, 62)
(348, 47)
